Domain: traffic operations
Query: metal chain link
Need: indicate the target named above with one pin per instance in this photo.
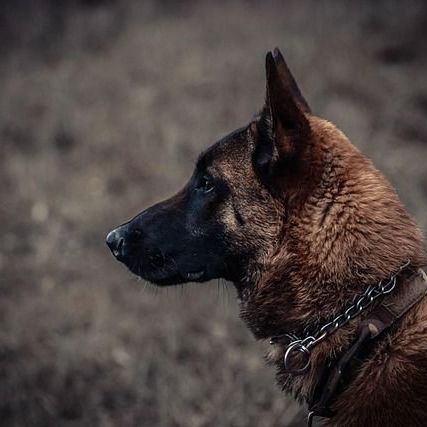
(303, 346)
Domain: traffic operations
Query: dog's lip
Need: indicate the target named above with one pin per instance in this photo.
(178, 278)
(195, 275)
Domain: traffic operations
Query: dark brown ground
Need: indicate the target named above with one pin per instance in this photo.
(104, 107)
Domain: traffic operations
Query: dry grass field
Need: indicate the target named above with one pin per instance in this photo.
(104, 108)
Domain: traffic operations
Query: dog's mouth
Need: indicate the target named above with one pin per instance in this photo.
(174, 278)
(166, 275)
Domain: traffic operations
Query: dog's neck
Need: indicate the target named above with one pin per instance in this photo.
(316, 330)
(408, 288)
(348, 234)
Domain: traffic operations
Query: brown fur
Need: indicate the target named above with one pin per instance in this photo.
(350, 233)
(345, 229)
(333, 226)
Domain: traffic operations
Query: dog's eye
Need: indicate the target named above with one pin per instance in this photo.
(206, 184)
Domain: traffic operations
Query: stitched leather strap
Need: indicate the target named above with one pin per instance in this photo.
(388, 312)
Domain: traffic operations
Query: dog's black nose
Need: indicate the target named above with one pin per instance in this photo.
(124, 242)
(116, 242)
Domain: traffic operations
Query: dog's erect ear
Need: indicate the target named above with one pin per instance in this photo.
(283, 128)
(289, 81)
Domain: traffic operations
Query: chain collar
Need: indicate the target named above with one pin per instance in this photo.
(300, 348)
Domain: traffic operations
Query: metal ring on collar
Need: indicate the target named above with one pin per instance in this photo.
(297, 347)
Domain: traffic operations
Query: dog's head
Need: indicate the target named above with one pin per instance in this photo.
(274, 207)
(227, 219)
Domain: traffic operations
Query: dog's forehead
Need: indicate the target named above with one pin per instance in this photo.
(228, 152)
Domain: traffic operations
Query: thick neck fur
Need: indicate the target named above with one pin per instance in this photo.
(349, 232)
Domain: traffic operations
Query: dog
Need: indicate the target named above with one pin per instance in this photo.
(320, 250)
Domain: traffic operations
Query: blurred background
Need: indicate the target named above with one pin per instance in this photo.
(104, 108)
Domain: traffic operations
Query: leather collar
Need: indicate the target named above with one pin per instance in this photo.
(337, 376)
